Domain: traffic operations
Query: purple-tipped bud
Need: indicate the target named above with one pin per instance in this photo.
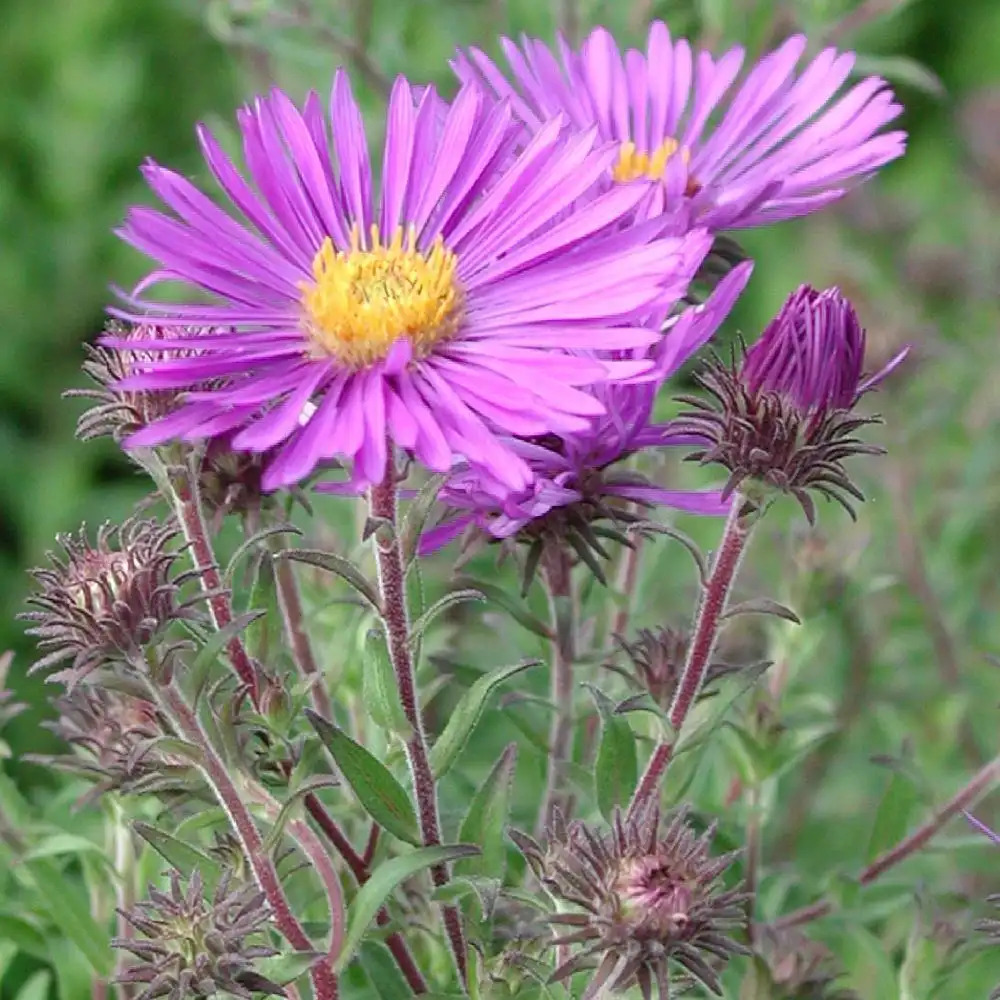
(8, 707)
(811, 353)
(796, 968)
(783, 420)
(657, 661)
(642, 901)
(117, 738)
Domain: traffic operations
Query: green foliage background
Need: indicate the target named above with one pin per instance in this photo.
(92, 87)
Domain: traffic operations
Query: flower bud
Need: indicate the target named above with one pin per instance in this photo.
(784, 421)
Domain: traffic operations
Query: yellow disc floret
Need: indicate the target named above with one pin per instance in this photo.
(364, 299)
(633, 165)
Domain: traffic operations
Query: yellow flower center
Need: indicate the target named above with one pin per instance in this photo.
(363, 300)
(633, 165)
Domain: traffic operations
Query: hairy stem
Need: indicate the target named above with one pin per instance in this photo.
(392, 591)
(559, 583)
(712, 607)
(291, 612)
(965, 797)
(192, 521)
(265, 874)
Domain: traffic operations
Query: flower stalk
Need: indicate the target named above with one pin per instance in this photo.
(392, 592)
(265, 874)
(712, 608)
(557, 571)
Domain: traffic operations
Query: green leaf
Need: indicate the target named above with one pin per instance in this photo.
(514, 606)
(904, 70)
(383, 881)
(616, 769)
(36, 987)
(338, 565)
(380, 693)
(197, 672)
(893, 815)
(440, 606)
(64, 843)
(382, 971)
(486, 819)
(416, 517)
(24, 935)
(463, 720)
(70, 912)
(377, 790)
(287, 967)
(252, 542)
(182, 856)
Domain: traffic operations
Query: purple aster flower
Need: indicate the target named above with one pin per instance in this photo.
(784, 420)
(452, 307)
(576, 479)
(735, 155)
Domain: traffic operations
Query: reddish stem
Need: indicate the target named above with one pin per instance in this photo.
(392, 589)
(220, 608)
(265, 874)
(715, 595)
(395, 942)
(909, 845)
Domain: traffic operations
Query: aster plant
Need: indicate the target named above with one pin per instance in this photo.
(302, 695)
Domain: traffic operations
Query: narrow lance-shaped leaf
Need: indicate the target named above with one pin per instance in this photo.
(377, 790)
(338, 565)
(616, 769)
(182, 856)
(416, 517)
(440, 606)
(463, 720)
(514, 606)
(383, 881)
(381, 695)
(486, 819)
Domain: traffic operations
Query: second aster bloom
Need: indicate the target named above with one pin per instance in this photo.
(578, 477)
(784, 419)
(775, 146)
(454, 306)
(643, 901)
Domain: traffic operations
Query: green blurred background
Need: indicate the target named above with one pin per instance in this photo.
(91, 87)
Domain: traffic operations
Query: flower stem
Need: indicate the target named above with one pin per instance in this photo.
(909, 845)
(193, 523)
(291, 611)
(265, 874)
(392, 590)
(557, 571)
(714, 597)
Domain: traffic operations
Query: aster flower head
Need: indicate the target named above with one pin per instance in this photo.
(645, 901)
(454, 306)
(657, 662)
(104, 602)
(784, 419)
(580, 492)
(195, 947)
(229, 481)
(115, 736)
(777, 145)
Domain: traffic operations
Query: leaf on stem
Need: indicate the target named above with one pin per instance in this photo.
(463, 720)
(377, 790)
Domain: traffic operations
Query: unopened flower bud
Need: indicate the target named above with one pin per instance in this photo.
(784, 421)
